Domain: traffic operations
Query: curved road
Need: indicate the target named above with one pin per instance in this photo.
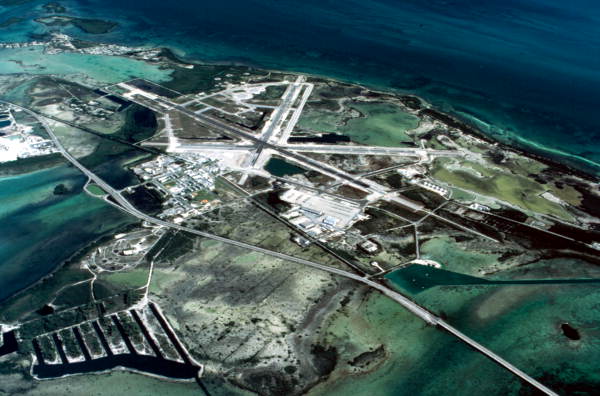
(411, 306)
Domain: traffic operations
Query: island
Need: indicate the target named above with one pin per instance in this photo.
(86, 25)
(282, 232)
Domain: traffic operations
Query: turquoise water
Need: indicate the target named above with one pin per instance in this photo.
(524, 70)
(106, 69)
(521, 321)
(418, 278)
(39, 230)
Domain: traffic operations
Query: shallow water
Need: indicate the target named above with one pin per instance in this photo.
(527, 71)
(38, 230)
(384, 125)
(106, 69)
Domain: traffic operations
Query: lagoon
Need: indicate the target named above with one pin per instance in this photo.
(39, 230)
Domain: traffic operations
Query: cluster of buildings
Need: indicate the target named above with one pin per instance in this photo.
(416, 175)
(479, 207)
(60, 42)
(90, 108)
(185, 182)
(369, 246)
(321, 216)
(23, 45)
(18, 141)
(125, 250)
(118, 50)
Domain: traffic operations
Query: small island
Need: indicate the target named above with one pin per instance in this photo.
(54, 8)
(90, 26)
(61, 189)
(570, 332)
(268, 217)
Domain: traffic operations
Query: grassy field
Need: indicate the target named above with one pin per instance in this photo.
(380, 124)
(514, 189)
(95, 190)
(131, 279)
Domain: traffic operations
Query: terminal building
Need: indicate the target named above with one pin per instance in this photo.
(320, 214)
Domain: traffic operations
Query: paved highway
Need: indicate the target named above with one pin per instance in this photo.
(128, 207)
(367, 185)
(411, 306)
(475, 345)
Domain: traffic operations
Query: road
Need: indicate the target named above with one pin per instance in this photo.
(408, 304)
(371, 150)
(238, 132)
(366, 185)
(294, 228)
(385, 170)
(129, 208)
(499, 360)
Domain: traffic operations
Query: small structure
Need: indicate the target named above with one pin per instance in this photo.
(301, 241)
(369, 246)
(427, 263)
(330, 221)
(412, 172)
(479, 207)
(376, 265)
(444, 192)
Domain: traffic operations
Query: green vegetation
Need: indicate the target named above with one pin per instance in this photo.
(204, 195)
(24, 304)
(90, 26)
(61, 189)
(201, 77)
(132, 279)
(174, 245)
(567, 193)
(379, 124)
(270, 96)
(30, 164)
(140, 124)
(95, 190)
(515, 189)
(383, 124)
(321, 120)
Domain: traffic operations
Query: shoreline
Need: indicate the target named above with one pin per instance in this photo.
(427, 109)
(79, 253)
(562, 160)
(450, 120)
(465, 126)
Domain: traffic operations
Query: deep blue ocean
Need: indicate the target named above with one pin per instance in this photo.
(525, 71)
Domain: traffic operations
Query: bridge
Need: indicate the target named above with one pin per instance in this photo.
(408, 304)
